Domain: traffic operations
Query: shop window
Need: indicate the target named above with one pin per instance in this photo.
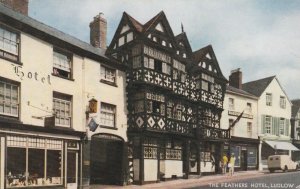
(9, 44)
(62, 64)
(62, 109)
(30, 162)
(108, 75)
(108, 114)
(36, 160)
(9, 99)
(16, 167)
(173, 150)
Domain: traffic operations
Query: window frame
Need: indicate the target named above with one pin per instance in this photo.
(12, 84)
(249, 129)
(114, 107)
(59, 97)
(231, 103)
(268, 124)
(281, 126)
(17, 56)
(69, 57)
(282, 102)
(104, 79)
(269, 99)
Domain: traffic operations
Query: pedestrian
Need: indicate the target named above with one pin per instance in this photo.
(224, 163)
(231, 164)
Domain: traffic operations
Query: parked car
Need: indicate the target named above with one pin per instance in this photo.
(281, 162)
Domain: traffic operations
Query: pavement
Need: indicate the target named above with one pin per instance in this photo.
(188, 183)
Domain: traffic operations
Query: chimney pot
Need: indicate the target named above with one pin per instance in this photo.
(20, 6)
(236, 78)
(98, 31)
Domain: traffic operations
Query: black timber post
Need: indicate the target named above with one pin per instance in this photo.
(125, 165)
(142, 176)
(186, 159)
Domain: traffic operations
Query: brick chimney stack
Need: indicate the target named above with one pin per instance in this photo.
(20, 6)
(98, 31)
(235, 78)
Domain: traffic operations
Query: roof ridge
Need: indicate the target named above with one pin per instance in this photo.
(148, 24)
(260, 79)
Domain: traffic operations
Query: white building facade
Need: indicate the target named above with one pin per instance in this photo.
(48, 81)
(274, 114)
(244, 134)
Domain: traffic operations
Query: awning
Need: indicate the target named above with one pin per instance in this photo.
(279, 145)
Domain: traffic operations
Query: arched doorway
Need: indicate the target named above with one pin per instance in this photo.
(106, 159)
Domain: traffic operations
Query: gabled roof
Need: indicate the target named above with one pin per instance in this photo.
(153, 20)
(200, 55)
(137, 25)
(183, 38)
(295, 107)
(239, 91)
(257, 87)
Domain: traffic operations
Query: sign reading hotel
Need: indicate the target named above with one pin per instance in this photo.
(30, 75)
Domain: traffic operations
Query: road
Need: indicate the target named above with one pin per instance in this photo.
(275, 180)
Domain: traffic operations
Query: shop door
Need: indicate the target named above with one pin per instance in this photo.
(72, 171)
(193, 160)
(244, 158)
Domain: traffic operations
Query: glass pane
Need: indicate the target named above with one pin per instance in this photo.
(53, 167)
(16, 167)
(36, 159)
(71, 167)
(7, 109)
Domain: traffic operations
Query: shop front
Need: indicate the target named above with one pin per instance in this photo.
(37, 159)
(245, 151)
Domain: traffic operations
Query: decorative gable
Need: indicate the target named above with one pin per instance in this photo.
(159, 27)
(125, 29)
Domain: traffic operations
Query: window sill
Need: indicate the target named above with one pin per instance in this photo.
(108, 83)
(13, 61)
(108, 127)
(63, 77)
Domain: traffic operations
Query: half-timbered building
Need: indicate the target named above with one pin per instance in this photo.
(174, 101)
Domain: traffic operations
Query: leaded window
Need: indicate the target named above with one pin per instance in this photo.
(108, 115)
(9, 99)
(62, 109)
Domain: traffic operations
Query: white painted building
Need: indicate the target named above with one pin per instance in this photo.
(274, 114)
(47, 79)
(244, 134)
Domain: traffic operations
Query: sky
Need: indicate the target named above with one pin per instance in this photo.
(262, 37)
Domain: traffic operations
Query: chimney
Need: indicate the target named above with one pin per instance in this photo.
(235, 78)
(98, 30)
(20, 6)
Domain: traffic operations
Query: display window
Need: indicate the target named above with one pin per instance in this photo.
(33, 162)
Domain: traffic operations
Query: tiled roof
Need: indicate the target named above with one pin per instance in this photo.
(257, 87)
(239, 91)
(138, 26)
